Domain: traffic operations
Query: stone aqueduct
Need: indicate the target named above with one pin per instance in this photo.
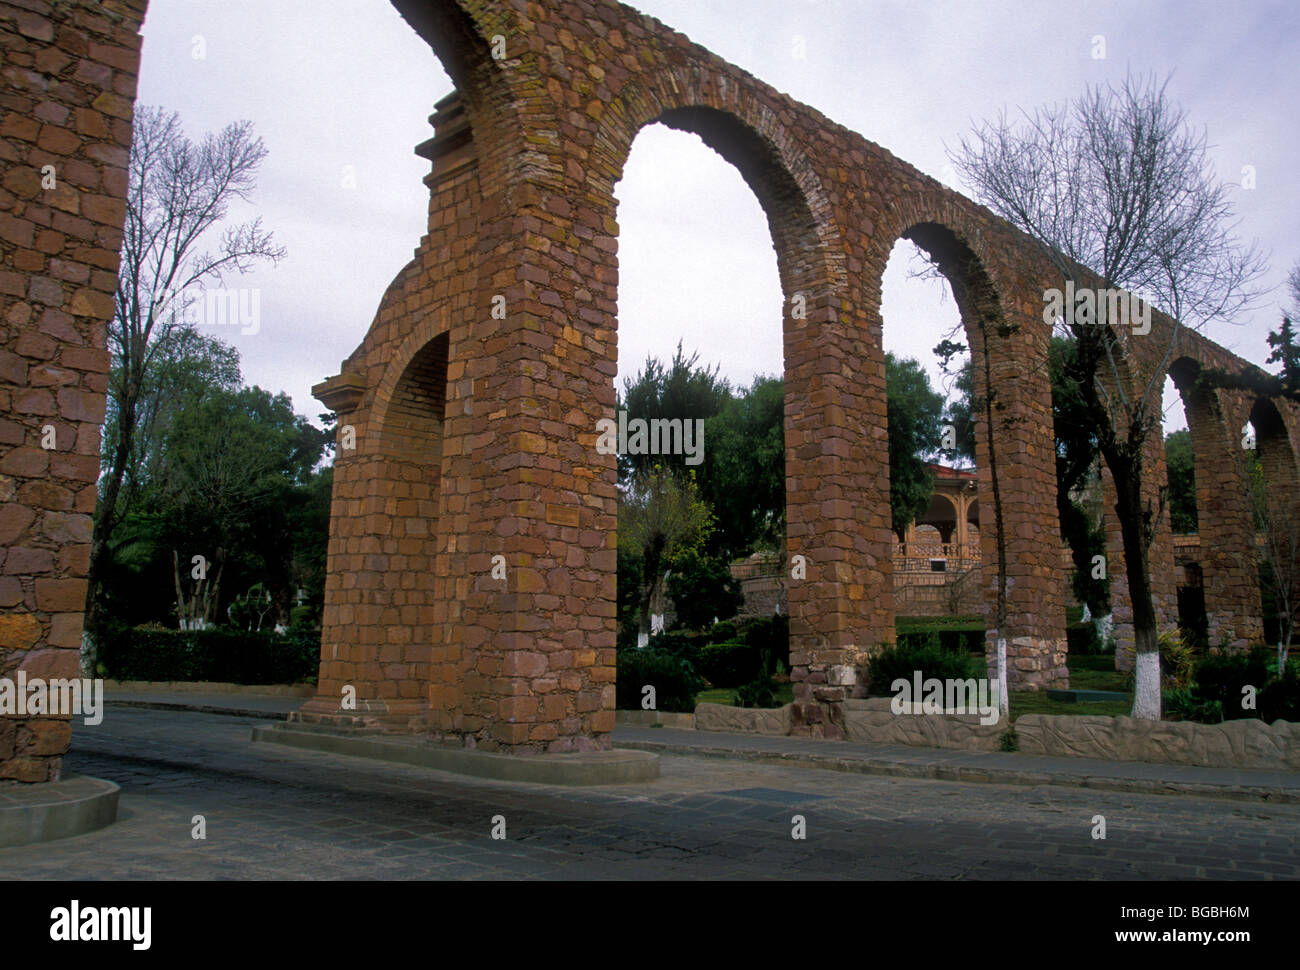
(475, 435)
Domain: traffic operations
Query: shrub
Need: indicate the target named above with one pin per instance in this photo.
(626, 638)
(770, 639)
(1216, 689)
(956, 633)
(1177, 659)
(730, 664)
(217, 654)
(722, 631)
(680, 645)
(930, 658)
(757, 693)
(673, 678)
(702, 589)
(1279, 700)
(1009, 740)
(1185, 704)
(1221, 677)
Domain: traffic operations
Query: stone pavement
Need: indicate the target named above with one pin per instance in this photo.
(280, 813)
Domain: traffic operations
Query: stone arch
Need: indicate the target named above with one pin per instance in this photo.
(1225, 525)
(409, 405)
(1278, 507)
(735, 122)
(942, 515)
(1277, 452)
(1014, 345)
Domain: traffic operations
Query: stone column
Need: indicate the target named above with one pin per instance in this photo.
(1225, 524)
(65, 136)
(1025, 448)
(1160, 556)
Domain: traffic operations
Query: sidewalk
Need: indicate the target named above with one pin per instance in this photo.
(946, 764)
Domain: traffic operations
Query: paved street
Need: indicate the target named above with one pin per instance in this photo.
(278, 813)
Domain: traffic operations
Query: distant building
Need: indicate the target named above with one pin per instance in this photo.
(936, 566)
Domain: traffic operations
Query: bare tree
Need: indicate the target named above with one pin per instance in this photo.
(178, 192)
(1117, 182)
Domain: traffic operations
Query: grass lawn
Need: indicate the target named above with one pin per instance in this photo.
(1087, 672)
(727, 695)
(1037, 702)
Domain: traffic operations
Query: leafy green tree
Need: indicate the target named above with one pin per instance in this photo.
(915, 434)
(1181, 464)
(743, 475)
(960, 412)
(703, 589)
(233, 461)
(683, 390)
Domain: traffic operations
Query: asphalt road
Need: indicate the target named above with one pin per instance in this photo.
(278, 813)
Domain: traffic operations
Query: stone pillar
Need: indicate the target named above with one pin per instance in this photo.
(65, 135)
(385, 599)
(1277, 456)
(1025, 449)
(1225, 524)
(837, 505)
(1160, 556)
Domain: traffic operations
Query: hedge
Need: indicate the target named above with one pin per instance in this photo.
(217, 654)
(930, 658)
(673, 678)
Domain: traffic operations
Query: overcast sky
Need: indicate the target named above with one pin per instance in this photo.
(340, 91)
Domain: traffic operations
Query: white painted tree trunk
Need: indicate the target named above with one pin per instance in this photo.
(1146, 689)
(1004, 705)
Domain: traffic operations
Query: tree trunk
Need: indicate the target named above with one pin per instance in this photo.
(101, 556)
(1127, 475)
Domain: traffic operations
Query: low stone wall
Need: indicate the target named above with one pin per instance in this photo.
(744, 720)
(652, 718)
(872, 721)
(1244, 743)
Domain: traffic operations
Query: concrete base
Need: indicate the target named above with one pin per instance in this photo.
(55, 810)
(372, 716)
(585, 768)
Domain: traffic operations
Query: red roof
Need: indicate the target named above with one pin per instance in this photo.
(960, 474)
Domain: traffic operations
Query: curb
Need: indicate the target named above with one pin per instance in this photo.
(612, 767)
(198, 709)
(981, 775)
(56, 810)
